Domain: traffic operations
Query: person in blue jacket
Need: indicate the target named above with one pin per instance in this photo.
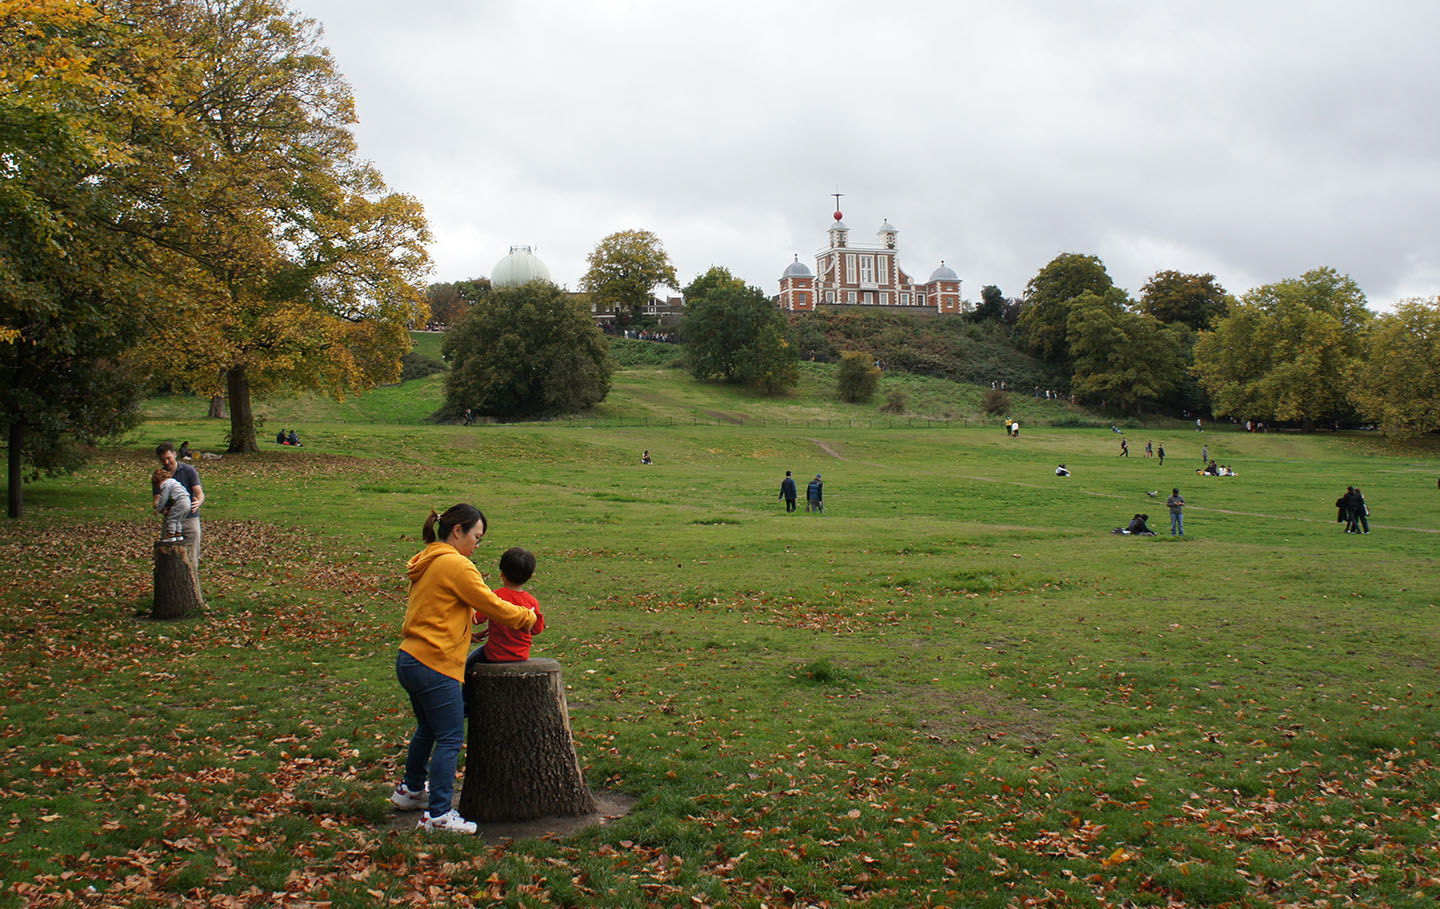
(787, 492)
(815, 495)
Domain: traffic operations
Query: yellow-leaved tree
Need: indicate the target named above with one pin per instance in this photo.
(302, 270)
(1285, 351)
(1396, 381)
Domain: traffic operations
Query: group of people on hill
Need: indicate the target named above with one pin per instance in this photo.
(287, 438)
(814, 494)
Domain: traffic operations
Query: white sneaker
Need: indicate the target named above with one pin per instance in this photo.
(407, 799)
(449, 822)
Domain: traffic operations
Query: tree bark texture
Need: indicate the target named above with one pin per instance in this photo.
(242, 418)
(520, 761)
(217, 407)
(177, 586)
(16, 471)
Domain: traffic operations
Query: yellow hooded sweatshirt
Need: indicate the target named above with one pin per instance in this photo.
(445, 587)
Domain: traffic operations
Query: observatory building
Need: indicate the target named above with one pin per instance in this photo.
(848, 275)
(519, 267)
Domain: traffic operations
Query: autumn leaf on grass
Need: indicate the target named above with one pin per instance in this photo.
(1118, 857)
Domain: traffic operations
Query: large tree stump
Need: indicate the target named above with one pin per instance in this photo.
(520, 761)
(177, 586)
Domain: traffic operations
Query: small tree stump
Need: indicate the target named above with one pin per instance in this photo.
(520, 761)
(177, 587)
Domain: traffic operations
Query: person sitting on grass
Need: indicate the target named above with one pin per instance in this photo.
(172, 503)
(293, 438)
(509, 645)
(1062, 471)
(281, 438)
(1136, 528)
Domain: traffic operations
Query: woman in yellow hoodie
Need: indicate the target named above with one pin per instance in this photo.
(445, 591)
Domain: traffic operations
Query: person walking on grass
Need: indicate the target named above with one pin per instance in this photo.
(815, 496)
(787, 492)
(1177, 520)
(446, 591)
(1161, 452)
(1362, 511)
(1124, 448)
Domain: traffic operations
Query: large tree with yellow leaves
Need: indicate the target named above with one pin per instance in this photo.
(305, 270)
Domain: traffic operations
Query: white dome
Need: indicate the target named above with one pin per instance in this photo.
(520, 267)
(943, 273)
(796, 269)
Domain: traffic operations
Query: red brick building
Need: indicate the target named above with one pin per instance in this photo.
(849, 275)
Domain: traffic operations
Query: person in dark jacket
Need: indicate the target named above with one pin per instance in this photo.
(815, 495)
(787, 492)
(1361, 511)
(1343, 513)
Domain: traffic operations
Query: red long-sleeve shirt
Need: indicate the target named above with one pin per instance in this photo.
(507, 645)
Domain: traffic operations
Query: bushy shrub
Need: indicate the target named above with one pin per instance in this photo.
(995, 401)
(857, 378)
(894, 403)
(417, 366)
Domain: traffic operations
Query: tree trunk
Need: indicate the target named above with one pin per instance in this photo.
(217, 407)
(520, 761)
(177, 586)
(16, 475)
(242, 419)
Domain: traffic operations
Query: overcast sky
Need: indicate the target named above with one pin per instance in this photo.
(1253, 140)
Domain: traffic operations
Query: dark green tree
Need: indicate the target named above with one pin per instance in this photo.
(992, 305)
(1126, 359)
(732, 331)
(1193, 300)
(525, 352)
(1045, 314)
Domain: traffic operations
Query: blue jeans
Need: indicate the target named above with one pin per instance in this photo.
(1177, 524)
(439, 705)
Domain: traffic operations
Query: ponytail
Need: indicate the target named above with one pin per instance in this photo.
(462, 516)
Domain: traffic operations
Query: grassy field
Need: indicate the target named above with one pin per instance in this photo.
(955, 688)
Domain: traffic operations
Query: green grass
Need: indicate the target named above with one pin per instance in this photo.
(954, 688)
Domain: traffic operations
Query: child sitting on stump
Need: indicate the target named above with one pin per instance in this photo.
(506, 645)
(172, 503)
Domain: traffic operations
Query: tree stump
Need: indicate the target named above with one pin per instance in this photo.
(177, 586)
(520, 761)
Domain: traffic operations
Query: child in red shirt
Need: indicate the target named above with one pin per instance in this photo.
(506, 645)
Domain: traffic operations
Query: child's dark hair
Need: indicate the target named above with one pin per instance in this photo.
(518, 565)
(462, 516)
